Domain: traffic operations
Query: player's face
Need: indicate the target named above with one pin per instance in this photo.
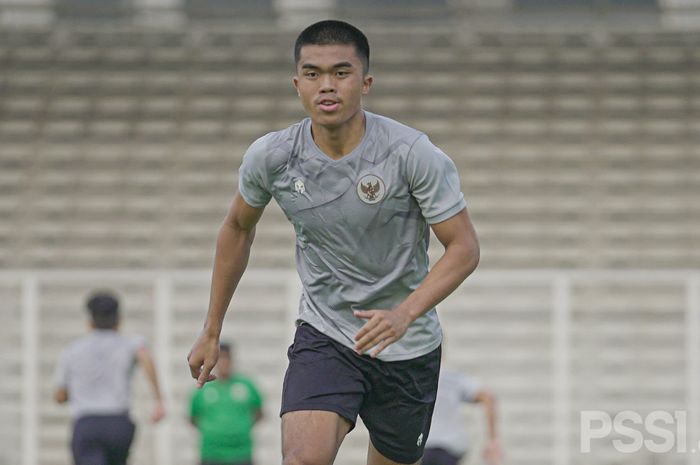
(224, 365)
(331, 83)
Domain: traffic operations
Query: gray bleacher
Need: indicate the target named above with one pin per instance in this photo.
(120, 149)
(572, 152)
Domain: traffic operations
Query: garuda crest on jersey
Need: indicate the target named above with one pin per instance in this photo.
(371, 189)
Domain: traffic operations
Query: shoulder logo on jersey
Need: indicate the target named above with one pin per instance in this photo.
(420, 440)
(299, 186)
(371, 189)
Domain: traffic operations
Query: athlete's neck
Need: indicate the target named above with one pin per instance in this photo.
(336, 142)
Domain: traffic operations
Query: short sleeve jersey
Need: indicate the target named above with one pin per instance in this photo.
(447, 429)
(96, 370)
(224, 412)
(361, 222)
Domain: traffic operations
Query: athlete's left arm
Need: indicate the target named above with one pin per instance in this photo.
(460, 258)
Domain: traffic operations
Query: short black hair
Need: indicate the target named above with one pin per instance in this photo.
(225, 347)
(104, 310)
(333, 32)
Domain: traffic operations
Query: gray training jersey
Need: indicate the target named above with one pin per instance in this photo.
(361, 222)
(97, 370)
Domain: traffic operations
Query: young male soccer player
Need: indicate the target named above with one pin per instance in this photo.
(361, 191)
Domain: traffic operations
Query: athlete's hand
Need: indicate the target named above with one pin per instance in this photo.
(383, 327)
(158, 412)
(493, 453)
(203, 357)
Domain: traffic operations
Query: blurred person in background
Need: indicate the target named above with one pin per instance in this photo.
(225, 411)
(94, 376)
(448, 442)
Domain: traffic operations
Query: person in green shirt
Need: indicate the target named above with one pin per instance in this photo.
(225, 411)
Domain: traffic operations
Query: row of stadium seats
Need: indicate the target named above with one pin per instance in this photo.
(502, 120)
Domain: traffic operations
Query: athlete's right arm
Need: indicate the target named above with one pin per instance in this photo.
(493, 454)
(232, 251)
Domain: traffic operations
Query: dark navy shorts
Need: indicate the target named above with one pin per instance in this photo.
(394, 399)
(102, 440)
(438, 456)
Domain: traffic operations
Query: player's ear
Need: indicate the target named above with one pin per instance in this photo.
(295, 82)
(367, 81)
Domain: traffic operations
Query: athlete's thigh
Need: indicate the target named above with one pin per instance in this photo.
(86, 445)
(119, 439)
(374, 457)
(312, 437)
(398, 410)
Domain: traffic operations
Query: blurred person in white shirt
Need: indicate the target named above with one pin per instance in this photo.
(448, 442)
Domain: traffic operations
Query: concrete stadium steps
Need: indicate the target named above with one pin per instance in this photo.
(640, 334)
